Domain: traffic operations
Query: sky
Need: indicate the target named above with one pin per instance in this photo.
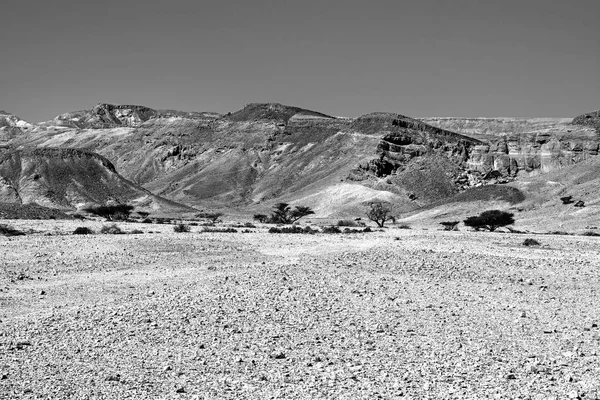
(461, 58)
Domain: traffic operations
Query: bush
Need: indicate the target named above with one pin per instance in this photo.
(249, 225)
(590, 233)
(347, 222)
(293, 229)
(179, 228)
(331, 229)
(136, 232)
(567, 199)
(210, 216)
(83, 230)
(531, 242)
(7, 230)
(114, 212)
(219, 230)
(112, 229)
(146, 221)
(450, 225)
(490, 220)
(262, 218)
(404, 227)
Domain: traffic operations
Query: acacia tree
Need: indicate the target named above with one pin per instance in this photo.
(380, 212)
(490, 220)
(284, 214)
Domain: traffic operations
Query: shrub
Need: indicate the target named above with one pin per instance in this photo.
(567, 199)
(284, 214)
(380, 213)
(219, 230)
(112, 229)
(180, 228)
(136, 232)
(490, 220)
(580, 203)
(347, 222)
(262, 218)
(450, 225)
(249, 225)
(143, 214)
(83, 230)
(590, 233)
(331, 229)
(367, 229)
(114, 212)
(146, 221)
(404, 227)
(7, 230)
(531, 242)
(210, 216)
(293, 229)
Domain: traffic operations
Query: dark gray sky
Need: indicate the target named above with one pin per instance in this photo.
(343, 57)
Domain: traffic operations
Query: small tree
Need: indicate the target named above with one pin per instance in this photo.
(490, 220)
(380, 213)
(284, 214)
(567, 200)
(114, 212)
(450, 225)
(262, 218)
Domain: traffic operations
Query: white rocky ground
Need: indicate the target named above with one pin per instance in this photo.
(414, 313)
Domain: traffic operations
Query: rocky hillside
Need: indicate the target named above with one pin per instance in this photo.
(268, 152)
(12, 126)
(524, 147)
(590, 119)
(68, 178)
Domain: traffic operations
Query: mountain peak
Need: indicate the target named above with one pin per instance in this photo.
(272, 111)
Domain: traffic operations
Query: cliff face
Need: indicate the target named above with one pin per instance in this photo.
(525, 146)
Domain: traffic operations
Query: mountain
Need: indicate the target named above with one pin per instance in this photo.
(268, 152)
(12, 126)
(68, 178)
(264, 153)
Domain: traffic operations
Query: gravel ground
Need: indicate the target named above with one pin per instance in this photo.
(403, 313)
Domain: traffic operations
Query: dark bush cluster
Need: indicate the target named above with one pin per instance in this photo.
(590, 233)
(112, 229)
(83, 230)
(531, 242)
(294, 229)
(450, 225)
(218, 230)
(213, 217)
(7, 230)
(118, 212)
(181, 228)
(348, 222)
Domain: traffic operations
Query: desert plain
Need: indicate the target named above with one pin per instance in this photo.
(396, 313)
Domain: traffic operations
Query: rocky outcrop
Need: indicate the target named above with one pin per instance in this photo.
(525, 146)
(590, 119)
